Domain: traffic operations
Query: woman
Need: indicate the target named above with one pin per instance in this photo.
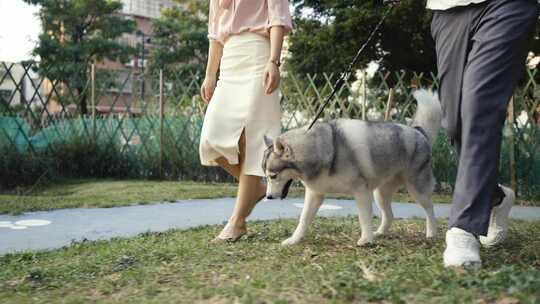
(246, 37)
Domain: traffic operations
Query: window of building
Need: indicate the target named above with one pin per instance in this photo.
(5, 95)
(145, 8)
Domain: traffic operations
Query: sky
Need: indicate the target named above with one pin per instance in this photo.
(19, 30)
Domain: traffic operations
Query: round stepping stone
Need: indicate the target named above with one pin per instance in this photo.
(5, 224)
(33, 223)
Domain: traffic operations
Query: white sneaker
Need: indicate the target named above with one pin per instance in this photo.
(462, 249)
(498, 223)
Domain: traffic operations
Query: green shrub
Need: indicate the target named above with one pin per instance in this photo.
(67, 149)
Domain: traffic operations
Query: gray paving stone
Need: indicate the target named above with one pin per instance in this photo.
(69, 225)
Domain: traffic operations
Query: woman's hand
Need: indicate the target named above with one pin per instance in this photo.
(271, 78)
(208, 87)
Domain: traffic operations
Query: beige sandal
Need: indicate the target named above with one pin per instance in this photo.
(227, 235)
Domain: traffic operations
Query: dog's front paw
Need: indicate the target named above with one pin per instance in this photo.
(430, 235)
(364, 241)
(290, 241)
(431, 232)
(380, 232)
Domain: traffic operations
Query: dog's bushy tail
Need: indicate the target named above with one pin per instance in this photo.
(428, 113)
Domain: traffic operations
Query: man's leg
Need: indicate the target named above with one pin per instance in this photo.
(480, 50)
(452, 32)
(497, 57)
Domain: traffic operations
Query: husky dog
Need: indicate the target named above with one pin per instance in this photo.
(364, 159)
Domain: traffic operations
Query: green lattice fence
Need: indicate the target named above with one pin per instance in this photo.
(128, 131)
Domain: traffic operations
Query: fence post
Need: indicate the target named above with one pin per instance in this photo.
(512, 156)
(389, 104)
(364, 102)
(93, 99)
(161, 111)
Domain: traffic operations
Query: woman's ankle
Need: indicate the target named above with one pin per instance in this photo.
(237, 223)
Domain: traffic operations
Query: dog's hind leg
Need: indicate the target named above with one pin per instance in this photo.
(364, 201)
(422, 194)
(312, 203)
(383, 197)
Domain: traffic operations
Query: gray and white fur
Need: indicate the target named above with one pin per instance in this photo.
(365, 159)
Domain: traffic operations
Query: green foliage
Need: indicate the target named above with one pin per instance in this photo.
(76, 33)
(4, 107)
(180, 38)
(74, 156)
(67, 149)
(444, 163)
(328, 34)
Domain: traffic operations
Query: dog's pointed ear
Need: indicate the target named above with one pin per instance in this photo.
(268, 141)
(278, 146)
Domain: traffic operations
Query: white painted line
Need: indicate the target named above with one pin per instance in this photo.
(323, 207)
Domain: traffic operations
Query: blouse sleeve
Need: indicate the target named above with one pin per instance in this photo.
(279, 14)
(212, 20)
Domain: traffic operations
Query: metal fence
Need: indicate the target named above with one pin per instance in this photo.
(124, 124)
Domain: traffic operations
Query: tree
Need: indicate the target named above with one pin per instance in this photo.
(180, 38)
(77, 33)
(328, 34)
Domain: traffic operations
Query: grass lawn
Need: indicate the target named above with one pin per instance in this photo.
(86, 193)
(182, 267)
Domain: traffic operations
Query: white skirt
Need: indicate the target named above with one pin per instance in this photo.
(240, 104)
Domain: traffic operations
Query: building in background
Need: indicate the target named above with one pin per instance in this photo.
(20, 86)
(146, 8)
(130, 85)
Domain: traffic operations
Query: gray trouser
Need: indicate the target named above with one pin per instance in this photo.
(481, 52)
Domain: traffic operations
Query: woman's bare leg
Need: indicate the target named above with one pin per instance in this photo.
(250, 190)
(233, 170)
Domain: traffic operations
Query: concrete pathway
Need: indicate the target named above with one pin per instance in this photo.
(47, 230)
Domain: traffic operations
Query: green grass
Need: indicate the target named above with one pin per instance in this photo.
(182, 267)
(107, 193)
(86, 193)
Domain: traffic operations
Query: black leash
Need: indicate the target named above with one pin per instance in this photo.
(347, 74)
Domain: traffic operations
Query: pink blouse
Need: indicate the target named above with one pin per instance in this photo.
(229, 17)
